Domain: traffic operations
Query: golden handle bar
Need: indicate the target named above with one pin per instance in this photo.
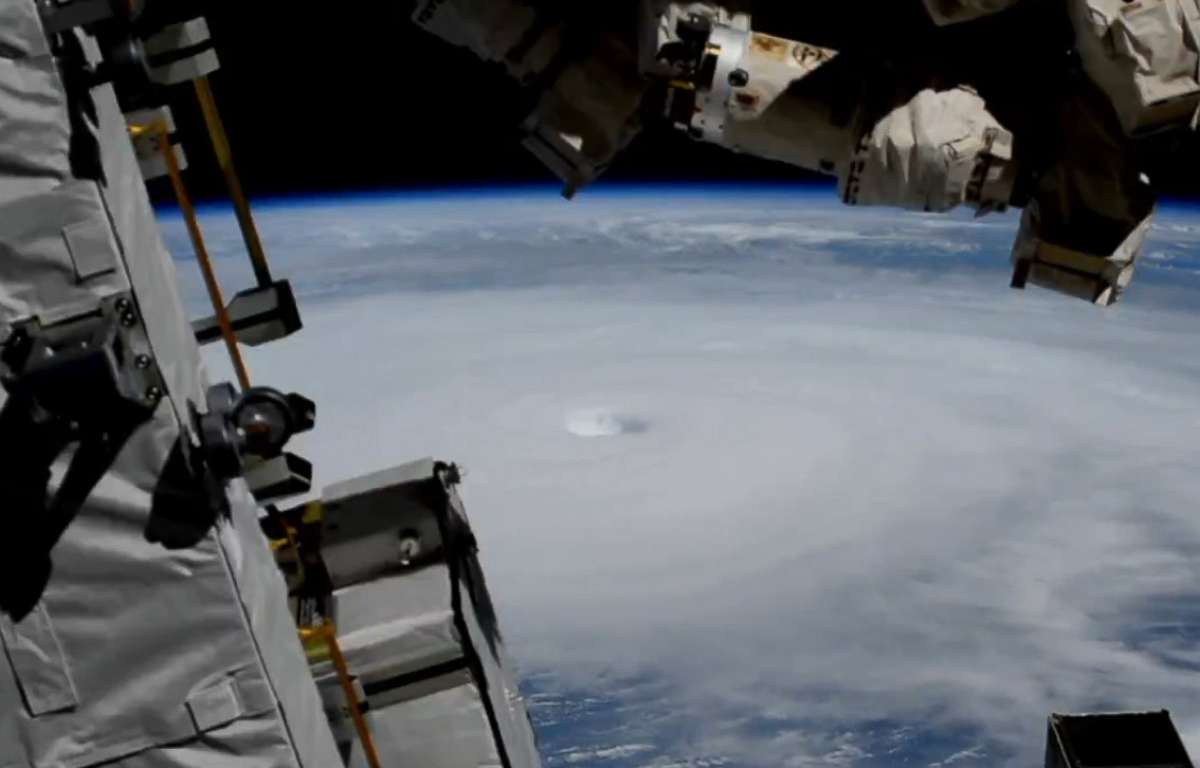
(162, 136)
(241, 206)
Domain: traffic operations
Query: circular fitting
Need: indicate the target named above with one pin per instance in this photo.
(409, 546)
(265, 420)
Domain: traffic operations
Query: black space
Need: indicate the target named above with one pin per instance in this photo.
(321, 99)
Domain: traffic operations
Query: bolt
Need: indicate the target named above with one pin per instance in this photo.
(153, 395)
(142, 361)
(410, 546)
(122, 305)
(128, 319)
(739, 78)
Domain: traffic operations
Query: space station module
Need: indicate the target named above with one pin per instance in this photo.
(926, 142)
(161, 605)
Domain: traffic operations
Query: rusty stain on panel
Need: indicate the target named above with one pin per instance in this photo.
(770, 46)
(747, 99)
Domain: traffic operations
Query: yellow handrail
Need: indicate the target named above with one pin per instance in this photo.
(163, 137)
(327, 634)
(241, 206)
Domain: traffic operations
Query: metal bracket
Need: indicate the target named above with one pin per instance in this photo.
(257, 315)
(244, 435)
(82, 366)
(89, 381)
(284, 475)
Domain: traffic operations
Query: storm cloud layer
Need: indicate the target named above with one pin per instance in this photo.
(759, 480)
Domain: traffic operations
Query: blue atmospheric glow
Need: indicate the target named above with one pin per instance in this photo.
(547, 191)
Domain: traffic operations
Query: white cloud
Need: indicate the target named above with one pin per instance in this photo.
(606, 754)
(856, 495)
(974, 753)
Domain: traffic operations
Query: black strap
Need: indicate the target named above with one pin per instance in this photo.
(30, 442)
(187, 500)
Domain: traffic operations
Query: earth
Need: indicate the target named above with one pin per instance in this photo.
(760, 480)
